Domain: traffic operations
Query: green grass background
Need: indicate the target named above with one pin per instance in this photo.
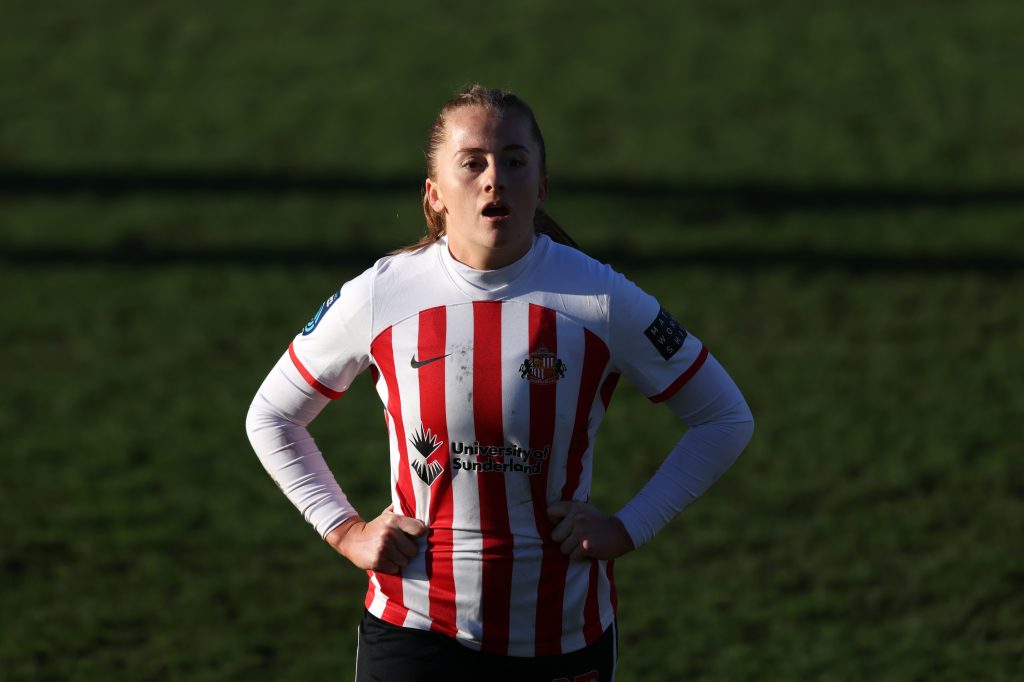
(830, 195)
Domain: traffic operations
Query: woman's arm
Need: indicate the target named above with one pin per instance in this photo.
(720, 424)
(720, 427)
(276, 424)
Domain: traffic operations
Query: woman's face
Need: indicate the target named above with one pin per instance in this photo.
(488, 186)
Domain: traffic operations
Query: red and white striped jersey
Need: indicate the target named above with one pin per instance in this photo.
(494, 384)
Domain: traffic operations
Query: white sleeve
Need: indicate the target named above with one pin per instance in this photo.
(720, 427)
(276, 425)
(648, 345)
(321, 362)
(334, 347)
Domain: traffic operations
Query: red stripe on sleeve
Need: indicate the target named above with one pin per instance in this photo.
(433, 413)
(310, 379)
(554, 564)
(683, 378)
(494, 524)
(391, 585)
(595, 359)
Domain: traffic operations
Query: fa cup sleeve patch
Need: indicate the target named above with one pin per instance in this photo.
(666, 334)
(311, 325)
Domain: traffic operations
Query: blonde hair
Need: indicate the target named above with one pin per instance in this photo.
(499, 101)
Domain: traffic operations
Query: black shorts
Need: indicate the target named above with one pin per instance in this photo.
(389, 653)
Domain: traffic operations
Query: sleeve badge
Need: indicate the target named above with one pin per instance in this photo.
(311, 325)
(666, 334)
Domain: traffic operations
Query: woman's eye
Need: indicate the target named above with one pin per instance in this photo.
(516, 163)
(473, 164)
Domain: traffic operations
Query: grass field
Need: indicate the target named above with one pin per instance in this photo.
(831, 198)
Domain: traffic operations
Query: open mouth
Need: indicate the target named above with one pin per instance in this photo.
(496, 209)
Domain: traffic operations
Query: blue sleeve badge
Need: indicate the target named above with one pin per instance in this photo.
(666, 334)
(311, 325)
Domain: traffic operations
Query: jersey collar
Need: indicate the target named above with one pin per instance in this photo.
(488, 284)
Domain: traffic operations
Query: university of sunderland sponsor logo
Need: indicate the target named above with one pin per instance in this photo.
(416, 364)
(666, 334)
(542, 367)
(498, 458)
(426, 444)
(324, 307)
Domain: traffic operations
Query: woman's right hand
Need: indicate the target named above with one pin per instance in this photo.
(384, 545)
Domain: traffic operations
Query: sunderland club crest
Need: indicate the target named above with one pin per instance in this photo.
(542, 367)
(426, 444)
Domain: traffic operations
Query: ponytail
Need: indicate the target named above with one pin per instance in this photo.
(545, 224)
(435, 229)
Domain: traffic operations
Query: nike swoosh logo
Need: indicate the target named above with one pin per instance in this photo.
(416, 364)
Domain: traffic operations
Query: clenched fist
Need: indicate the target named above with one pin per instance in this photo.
(385, 544)
(586, 533)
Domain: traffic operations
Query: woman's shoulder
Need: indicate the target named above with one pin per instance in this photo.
(385, 273)
(568, 262)
(399, 260)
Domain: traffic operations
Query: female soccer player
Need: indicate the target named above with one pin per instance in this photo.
(495, 346)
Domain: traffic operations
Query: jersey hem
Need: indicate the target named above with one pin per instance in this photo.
(525, 651)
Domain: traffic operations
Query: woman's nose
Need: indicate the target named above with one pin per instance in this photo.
(494, 179)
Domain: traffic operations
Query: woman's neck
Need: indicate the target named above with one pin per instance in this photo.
(480, 257)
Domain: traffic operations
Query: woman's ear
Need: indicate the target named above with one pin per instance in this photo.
(434, 196)
(542, 191)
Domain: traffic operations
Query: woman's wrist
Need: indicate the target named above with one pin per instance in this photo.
(336, 538)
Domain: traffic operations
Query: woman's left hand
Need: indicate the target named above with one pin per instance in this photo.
(586, 533)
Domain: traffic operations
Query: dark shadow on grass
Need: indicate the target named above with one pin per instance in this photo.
(754, 196)
(738, 260)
